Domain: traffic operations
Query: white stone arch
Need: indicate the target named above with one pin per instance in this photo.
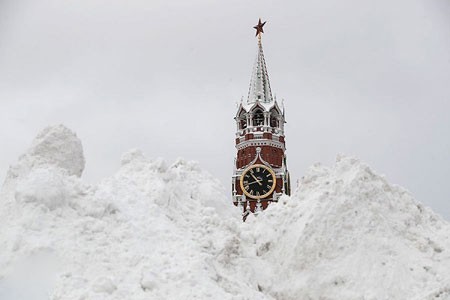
(257, 115)
(241, 118)
(274, 118)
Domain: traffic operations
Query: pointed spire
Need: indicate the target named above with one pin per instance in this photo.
(259, 85)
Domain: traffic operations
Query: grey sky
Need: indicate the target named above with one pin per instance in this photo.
(365, 78)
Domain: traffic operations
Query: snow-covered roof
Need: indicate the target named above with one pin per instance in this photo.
(267, 106)
(259, 85)
(259, 93)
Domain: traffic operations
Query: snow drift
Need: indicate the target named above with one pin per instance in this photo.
(348, 234)
(167, 231)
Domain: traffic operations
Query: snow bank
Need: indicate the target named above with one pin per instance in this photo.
(167, 231)
(45, 186)
(48, 172)
(57, 147)
(348, 234)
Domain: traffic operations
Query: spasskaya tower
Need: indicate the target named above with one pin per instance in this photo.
(260, 173)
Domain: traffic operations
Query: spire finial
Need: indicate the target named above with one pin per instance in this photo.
(259, 28)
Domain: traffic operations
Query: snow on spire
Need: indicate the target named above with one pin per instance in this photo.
(259, 85)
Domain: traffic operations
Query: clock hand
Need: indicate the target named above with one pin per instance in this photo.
(252, 182)
(257, 180)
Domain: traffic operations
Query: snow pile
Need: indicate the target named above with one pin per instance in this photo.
(348, 234)
(151, 231)
(55, 155)
(167, 231)
(44, 186)
(55, 146)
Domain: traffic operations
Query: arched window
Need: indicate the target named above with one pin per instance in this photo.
(243, 124)
(274, 118)
(273, 122)
(258, 118)
(242, 119)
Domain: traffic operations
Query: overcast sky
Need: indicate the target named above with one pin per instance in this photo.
(369, 79)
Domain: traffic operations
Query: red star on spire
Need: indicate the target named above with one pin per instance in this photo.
(259, 27)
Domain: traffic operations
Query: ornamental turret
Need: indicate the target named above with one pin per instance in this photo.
(260, 172)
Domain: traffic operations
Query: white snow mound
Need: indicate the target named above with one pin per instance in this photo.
(45, 186)
(48, 172)
(167, 231)
(348, 234)
(55, 146)
(58, 146)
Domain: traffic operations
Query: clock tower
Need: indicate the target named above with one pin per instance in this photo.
(260, 173)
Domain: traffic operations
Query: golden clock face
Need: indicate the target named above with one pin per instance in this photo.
(258, 181)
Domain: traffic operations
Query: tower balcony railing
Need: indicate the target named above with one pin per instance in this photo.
(275, 138)
(255, 129)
